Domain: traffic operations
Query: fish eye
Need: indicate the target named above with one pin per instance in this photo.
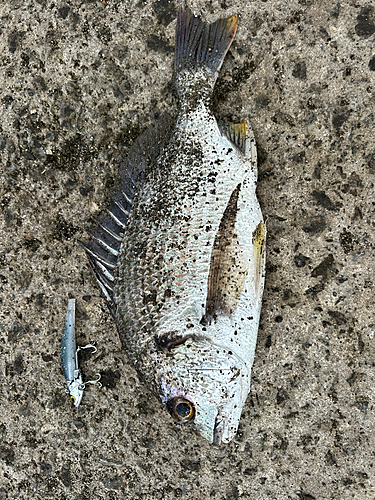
(181, 409)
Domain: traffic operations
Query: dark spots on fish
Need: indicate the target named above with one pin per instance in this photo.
(365, 26)
(18, 365)
(268, 343)
(150, 297)
(6, 100)
(300, 260)
(353, 184)
(330, 458)
(315, 226)
(211, 177)
(314, 290)
(371, 64)
(109, 378)
(171, 340)
(362, 403)
(278, 319)
(158, 45)
(45, 468)
(299, 70)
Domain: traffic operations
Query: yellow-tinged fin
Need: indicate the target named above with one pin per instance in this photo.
(228, 267)
(242, 136)
(259, 243)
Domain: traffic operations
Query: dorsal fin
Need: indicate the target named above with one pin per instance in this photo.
(104, 247)
(228, 267)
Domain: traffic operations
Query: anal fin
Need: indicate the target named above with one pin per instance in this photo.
(259, 244)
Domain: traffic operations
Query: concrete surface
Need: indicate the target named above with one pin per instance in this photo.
(78, 81)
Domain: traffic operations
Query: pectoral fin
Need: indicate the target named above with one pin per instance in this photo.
(228, 267)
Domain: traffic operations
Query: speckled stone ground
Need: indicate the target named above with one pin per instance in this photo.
(78, 81)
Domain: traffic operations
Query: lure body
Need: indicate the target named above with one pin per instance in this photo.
(69, 356)
(180, 256)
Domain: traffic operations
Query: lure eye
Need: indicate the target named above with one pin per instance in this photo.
(73, 399)
(181, 409)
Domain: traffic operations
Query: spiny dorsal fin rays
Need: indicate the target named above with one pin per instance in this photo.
(228, 267)
(104, 247)
(259, 242)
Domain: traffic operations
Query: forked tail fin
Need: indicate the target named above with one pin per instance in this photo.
(201, 48)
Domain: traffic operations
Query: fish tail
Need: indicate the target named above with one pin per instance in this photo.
(201, 48)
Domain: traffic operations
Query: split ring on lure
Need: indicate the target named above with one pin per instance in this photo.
(69, 357)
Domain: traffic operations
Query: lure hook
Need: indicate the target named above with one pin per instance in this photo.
(88, 346)
(93, 382)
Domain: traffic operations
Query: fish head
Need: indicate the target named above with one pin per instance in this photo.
(207, 384)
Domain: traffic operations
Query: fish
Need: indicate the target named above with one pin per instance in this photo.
(179, 254)
(69, 358)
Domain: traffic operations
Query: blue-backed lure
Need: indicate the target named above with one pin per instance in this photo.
(69, 357)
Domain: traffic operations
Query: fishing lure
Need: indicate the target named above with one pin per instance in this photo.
(69, 357)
